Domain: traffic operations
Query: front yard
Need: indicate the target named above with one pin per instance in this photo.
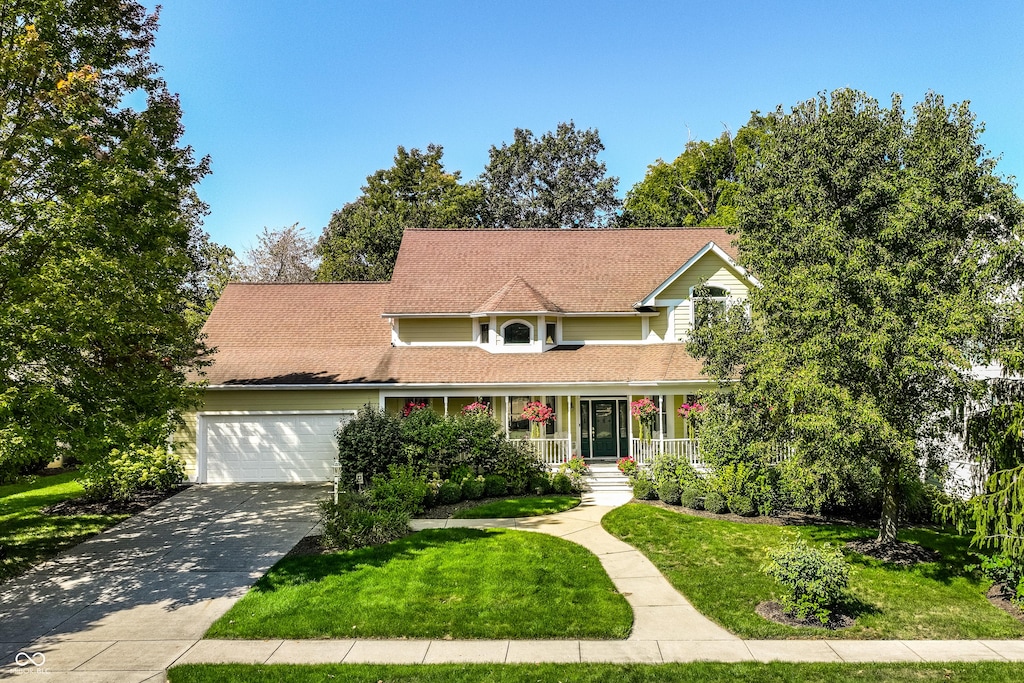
(715, 564)
(440, 583)
(28, 536)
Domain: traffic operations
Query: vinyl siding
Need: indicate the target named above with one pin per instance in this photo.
(435, 329)
(659, 323)
(602, 329)
(682, 321)
(710, 268)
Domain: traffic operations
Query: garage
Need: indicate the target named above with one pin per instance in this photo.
(268, 447)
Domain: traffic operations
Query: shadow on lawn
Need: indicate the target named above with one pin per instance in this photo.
(293, 571)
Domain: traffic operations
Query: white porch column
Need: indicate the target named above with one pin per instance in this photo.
(446, 406)
(661, 418)
(505, 419)
(671, 418)
(569, 424)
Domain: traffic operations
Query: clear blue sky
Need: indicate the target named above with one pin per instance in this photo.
(296, 102)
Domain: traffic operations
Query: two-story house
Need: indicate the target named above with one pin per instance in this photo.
(584, 321)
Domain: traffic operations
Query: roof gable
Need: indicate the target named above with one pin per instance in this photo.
(517, 296)
(710, 247)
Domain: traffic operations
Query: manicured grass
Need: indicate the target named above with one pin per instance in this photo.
(27, 535)
(459, 583)
(700, 672)
(528, 506)
(716, 565)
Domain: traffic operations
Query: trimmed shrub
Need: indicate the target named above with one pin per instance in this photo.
(576, 469)
(517, 462)
(668, 492)
(692, 498)
(677, 468)
(124, 472)
(643, 486)
(369, 444)
(714, 502)
(495, 485)
(480, 438)
(352, 523)
(402, 490)
(448, 493)
(473, 488)
(540, 485)
(813, 579)
(742, 506)
(561, 483)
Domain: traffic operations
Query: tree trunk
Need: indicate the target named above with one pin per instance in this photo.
(888, 524)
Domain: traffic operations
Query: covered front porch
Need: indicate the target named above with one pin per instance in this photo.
(596, 426)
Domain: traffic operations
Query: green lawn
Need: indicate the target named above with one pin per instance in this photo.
(27, 535)
(701, 672)
(528, 506)
(716, 565)
(459, 583)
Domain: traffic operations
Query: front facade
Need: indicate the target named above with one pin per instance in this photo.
(583, 321)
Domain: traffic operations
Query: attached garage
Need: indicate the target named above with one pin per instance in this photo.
(268, 447)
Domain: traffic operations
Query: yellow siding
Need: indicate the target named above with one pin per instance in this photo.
(183, 443)
(682, 321)
(712, 269)
(659, 323)
(435, 329)
(602, 329)
(299, 399)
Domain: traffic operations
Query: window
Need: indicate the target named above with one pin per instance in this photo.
(516, 421)
(485, 333)
(708, 303)
(551, 334)
(517, 333)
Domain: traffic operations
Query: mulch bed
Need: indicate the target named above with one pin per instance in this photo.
(999, 596)
(898, 552)
(772, 611)
(727, 516)
(309, 545)
(139, 502)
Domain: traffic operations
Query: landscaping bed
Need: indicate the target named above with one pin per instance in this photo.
(716, 565)
(503, 506)
(438, 583)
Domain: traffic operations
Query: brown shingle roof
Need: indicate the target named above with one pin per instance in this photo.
(517, 296)
(576, 271)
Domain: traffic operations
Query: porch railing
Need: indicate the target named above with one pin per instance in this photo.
(551, 451)
(643, 452)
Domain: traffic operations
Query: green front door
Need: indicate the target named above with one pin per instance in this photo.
(604, 421)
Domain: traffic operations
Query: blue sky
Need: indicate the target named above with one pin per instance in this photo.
(296, 102)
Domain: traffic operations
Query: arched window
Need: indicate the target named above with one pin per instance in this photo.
(517, 333)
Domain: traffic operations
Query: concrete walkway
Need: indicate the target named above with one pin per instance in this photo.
(137, 599)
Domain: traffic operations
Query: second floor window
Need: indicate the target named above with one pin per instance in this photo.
(708, 303)
(485, 333)
(516, 333)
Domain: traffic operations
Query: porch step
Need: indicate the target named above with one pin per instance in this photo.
(606, 477)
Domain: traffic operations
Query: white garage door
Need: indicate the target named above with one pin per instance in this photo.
(274, 448)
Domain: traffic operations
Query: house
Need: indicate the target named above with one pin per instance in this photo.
(584, 321)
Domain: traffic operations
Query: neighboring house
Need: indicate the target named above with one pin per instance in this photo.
(585, 321)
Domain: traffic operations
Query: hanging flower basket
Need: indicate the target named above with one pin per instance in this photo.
(688, 409)
(646, 412)
(539, 416)
(476, 408)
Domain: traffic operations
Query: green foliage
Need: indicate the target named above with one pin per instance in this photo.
(692, 498)
(540, 485)
(575, 469)
(677, 468)
(100, 236)
(448, 493)
(715, 502)
(741, 505)
(562, 483)
(813, 579)
(1007, 571)
(124, 472)
(668, 492)
(878, 239)
(495, 485)
(369, 444)
(554, 181)
(643, 486)
(731, 480)
(473, 488)
(698, 188)
(361, 240)
(402, 490)
(997, 515)
(517, 462)
(354, 523)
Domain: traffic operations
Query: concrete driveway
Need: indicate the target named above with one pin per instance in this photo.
(126, 604)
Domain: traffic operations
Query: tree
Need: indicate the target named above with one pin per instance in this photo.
(554, 181)
(218, 267)
(99, 234)
(698, 188)
(873, 234)
(362, 239)
(285, 255)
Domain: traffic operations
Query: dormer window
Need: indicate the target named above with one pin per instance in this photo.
(517, 333)
(551, 334)
(485, 333)
(708, 302)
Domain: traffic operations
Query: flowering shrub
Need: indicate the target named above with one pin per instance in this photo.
(476, 408)
(813, 579)
(628, 466)
(687, 409)
(646, 412)
(575, 469)
(120, 475)
(412, 406)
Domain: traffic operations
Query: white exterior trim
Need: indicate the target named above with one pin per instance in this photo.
(651, 298)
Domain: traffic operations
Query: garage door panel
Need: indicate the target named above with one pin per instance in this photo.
(271, 448)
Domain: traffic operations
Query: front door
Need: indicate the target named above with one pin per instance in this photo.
(604, 420)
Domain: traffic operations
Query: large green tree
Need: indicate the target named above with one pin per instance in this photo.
(873, 233)
(554, 181)
(100, 244)
(362, 239)
(698, 188)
